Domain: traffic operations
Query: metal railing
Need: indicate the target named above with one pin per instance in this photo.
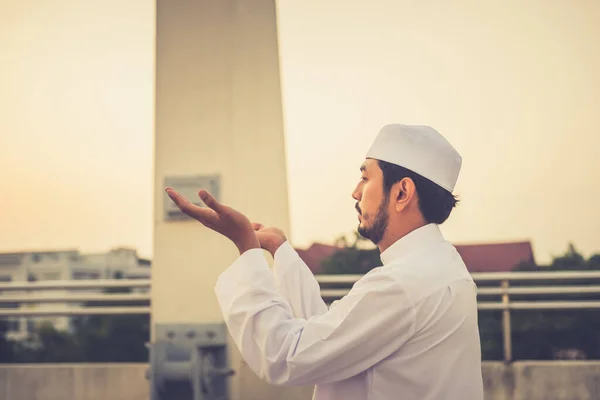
(503, 290)
(77, 293)
(71, 292)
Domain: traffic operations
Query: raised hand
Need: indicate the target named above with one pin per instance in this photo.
(270, 238)
(220, 218)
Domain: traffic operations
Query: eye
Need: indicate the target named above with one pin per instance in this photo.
(363, 179)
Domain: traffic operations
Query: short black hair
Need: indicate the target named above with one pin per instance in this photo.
(435, 202)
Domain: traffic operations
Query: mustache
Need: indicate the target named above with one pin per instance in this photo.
(358, 208)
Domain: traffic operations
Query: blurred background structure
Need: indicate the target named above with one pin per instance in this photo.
(273, 104)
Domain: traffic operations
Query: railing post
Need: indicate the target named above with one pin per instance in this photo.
(506, 329)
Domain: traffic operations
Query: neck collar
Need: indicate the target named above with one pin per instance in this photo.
(410, 242)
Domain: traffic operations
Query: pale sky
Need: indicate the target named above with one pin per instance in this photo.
(514, 85)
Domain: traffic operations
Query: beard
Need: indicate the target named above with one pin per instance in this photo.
(379, 224)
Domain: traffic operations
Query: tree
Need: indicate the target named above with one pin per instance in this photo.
(572, 260)
(52, 346)
(352, 259)
(593, 263)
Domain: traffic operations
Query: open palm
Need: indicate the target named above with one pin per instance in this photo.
(218, 217)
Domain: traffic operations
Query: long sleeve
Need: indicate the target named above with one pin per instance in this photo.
(366, 326)
(297, 284)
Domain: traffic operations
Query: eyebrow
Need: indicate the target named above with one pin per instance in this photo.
(363, 168)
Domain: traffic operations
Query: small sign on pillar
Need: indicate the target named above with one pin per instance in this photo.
(189, 186)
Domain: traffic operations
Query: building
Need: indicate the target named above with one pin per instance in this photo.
(62, 265)
(482, 257)
(496, 257)
(315, 254)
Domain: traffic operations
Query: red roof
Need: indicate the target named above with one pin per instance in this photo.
(495, 257)
(486, 257)
(316, 253)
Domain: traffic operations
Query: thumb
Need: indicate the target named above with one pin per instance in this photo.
(257, 226)
(210, 201)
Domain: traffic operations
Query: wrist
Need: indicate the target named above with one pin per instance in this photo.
(248, 243)
(276, 244)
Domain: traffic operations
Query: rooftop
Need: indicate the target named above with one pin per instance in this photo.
(481, 257)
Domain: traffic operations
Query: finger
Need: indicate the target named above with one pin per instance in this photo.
(257, 226)
(179, 200)
(210, 201)
(203, 215)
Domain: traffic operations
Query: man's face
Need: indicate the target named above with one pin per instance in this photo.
(372, 202)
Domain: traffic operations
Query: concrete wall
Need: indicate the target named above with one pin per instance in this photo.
(218, 112)
(556, 380)
(73, 382)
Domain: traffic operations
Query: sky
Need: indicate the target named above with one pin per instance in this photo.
(513, 85)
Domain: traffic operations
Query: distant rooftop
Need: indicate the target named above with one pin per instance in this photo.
(483, 257)
(496, 257)
(315, 254)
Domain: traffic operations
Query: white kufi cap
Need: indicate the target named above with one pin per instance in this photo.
(420, 149)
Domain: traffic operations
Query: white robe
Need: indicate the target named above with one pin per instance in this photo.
(406, 330)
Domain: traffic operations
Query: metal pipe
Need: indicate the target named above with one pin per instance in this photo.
(340, 279)
(506, 329)
(80, 311)
(337, 278)
(540, 305)
(550, 305)
(72, 298)
(540, 290)
(541, 275)
(83, 284)
(330, 293)
(486, 276)
(486, 305)
(531, 290)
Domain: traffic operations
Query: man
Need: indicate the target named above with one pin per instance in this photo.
(406, 330)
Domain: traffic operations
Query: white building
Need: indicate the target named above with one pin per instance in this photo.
(65, 265)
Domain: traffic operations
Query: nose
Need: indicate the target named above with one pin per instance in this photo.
(356, 194)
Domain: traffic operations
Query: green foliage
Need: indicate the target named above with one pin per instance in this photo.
(49, 345)
(593, 263)
(119, 338)
(352, 259)
(570, 261)
(490, 332)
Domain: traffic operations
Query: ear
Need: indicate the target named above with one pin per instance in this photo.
(403, 192)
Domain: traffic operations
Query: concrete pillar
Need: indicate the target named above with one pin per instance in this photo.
(218, 112)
